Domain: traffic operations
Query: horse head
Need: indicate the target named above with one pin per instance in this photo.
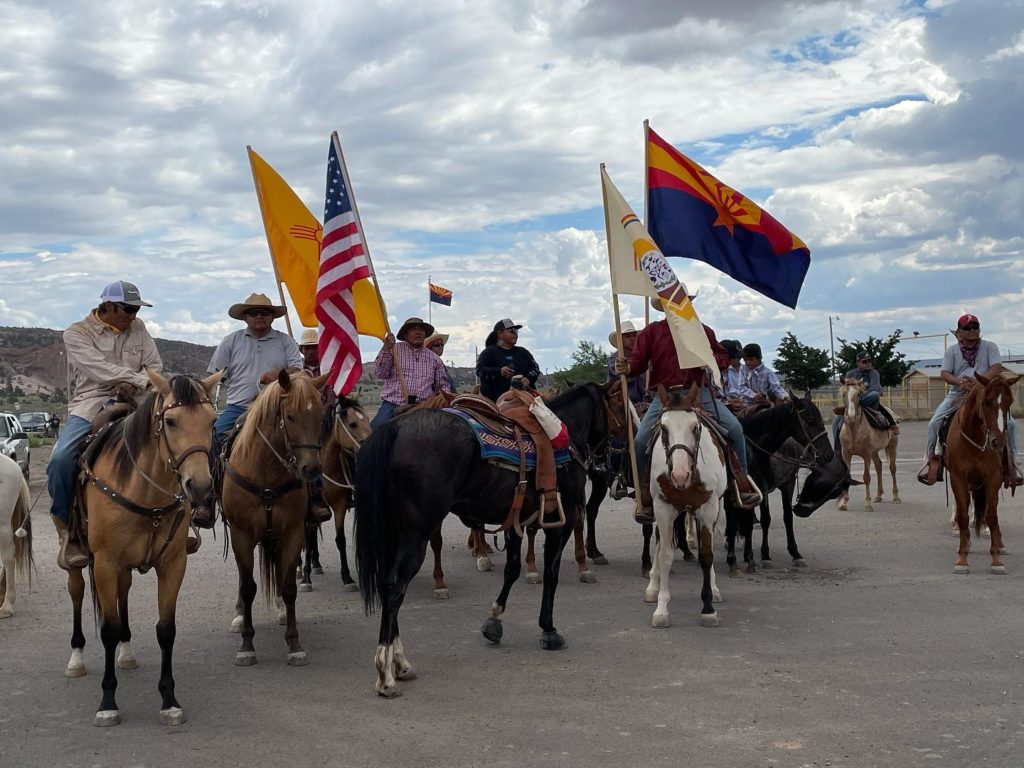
(349, 424)
(811, 432)
(852, 390)
(681, 432)
(992, 401)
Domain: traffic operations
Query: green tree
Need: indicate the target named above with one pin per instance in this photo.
(589, 363)
(802, 366)
(891, 365)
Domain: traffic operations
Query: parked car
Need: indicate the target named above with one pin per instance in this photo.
(34, 421)
(14, 441)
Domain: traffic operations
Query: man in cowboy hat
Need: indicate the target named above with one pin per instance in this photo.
(108, 353)
(421, 374)
(309, 347)
(252, 356)
(629, 332)
(502, 359)
(436, 343)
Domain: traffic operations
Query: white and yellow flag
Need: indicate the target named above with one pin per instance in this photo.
(638, 268)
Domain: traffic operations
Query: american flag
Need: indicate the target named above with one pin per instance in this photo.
(343, 261)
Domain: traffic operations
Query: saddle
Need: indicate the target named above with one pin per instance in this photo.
(744, 411)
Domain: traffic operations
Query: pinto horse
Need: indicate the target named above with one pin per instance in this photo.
(858, 438)
(415, 470)
(143, 473)
(275, 454)
(974, 460)
(345, 427)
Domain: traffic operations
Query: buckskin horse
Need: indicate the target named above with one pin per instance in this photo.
(858, 438)
(415, 470)
(273, 456)
(15, 533)
(143, 472)
(975, 462)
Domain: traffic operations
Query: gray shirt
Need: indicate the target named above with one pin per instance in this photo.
(870, 377)
(246, 358)
(953, 362)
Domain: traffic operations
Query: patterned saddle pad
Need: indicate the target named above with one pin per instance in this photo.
(494, 447)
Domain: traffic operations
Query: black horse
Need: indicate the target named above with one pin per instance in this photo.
(416, 469)
(797, 419)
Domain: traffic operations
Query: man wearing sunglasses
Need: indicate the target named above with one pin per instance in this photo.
(970, 355)
(107, 352)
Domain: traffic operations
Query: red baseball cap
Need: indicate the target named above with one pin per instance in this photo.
(967, 320)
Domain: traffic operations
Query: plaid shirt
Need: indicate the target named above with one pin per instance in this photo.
(423, 371)
(761, 381)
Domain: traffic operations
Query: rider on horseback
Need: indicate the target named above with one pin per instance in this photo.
(759, 384)
(959, 365)
(869, 398)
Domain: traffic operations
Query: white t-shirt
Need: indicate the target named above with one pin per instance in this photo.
(954, 363)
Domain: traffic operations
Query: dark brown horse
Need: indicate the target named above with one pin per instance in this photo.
(975, 460)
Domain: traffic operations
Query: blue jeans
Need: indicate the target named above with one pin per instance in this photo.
(385, 413)
(61, 471)
(225, 423)
(715, 409)
(944, 408)
(870, 400)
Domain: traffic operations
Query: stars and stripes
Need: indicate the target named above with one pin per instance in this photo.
(343, 261)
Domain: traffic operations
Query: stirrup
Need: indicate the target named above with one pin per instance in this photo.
(560, 522)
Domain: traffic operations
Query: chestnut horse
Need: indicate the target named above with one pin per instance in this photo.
(858, 438)
(274, 455)
(975, 462)
(143, 473)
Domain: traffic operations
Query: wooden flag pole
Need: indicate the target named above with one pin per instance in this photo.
(430, 308)
(623, 379)
(273, 261)
(366, 248)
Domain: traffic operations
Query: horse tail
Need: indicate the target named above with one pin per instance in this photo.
(268, 568)
(375, 529)
(21, 522)
(978, 498)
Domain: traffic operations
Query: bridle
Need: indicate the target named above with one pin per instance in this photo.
(337, 420)
(693, 452)
(809, 449)
(290, 462)
(988, 442)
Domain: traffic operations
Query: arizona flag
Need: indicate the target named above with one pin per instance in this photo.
(638, 268)
(693, 215)
(440, 295)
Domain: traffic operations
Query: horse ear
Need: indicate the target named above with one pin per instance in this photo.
(692, 395)
(284, 379)
(807, 395)
(981, 379)
(210, 382)
(663, 394)
(319, 381)
(159, 383)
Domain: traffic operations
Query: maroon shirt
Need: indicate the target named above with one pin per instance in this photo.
(654, 346)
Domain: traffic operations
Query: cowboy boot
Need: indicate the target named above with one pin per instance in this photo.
(71, 553)
(1011, 472)
(204, 515)
(318, 511)
(193, 543)
(931, 472)
(644, 512)
(746, 492)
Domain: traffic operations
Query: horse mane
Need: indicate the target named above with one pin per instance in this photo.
(301, 395)
(136, 428)
(342, 403)
(770, 419)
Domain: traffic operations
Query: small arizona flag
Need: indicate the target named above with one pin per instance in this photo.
(440, 295)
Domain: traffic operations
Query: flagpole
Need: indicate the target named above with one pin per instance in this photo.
(430, 309)
(647, 159)
(623, 380)
(263, 215)
(366, 249)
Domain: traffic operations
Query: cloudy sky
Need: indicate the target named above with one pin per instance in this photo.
(881, 132)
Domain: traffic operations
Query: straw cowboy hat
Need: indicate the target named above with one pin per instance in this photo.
(428, 329)
(434, 337)
(255, 301)
(656, 303)
(310, 337)
(626, 329)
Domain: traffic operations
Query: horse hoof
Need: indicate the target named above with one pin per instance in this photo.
(709, 619)
(1003, 550)
(107, 717)
(305, 587)
(6, 613)
(483, 564)
(298, 659)
(842, 507)
(236, 625)
(961, 569)
(349, 586)
(999, 570)
(735, 571)
(245, 658)
(75, 671)
(599, 560)
(172, 716)
(751, 568)
(767, 564)
(532, 577)
(659, 620)
(587, 577)
(282, 618)
(877, 499)
(389, 692)
(441, 594)
(716, 596)
(492, 630)
(799, 563)
(688, 557)
(868, 508)
(127, 662)
(318, 570)
(552, 641)
(651, 596)
(406, 674)
(897, 500)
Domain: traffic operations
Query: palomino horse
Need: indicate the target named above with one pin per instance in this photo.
(858, 438)
(974, 460)
(415, 470)
(345, 427)
(274, 455)
(143, 471)
(687, 477)
(15, 533)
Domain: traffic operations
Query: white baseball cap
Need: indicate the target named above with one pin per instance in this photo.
(123, 292)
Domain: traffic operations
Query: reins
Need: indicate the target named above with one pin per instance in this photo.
(808, 449)
(351, 452)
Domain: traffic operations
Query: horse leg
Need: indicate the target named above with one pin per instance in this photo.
(348, 583)
(478, 546)
(730, 541)
(125, 656)
(747, 532)
(76, 589)
(390, 659)
(877, 462)
(598, 490)
(532, 576)
(555, 540)
(645, 553)
(708, 614)
(961, 495)
(169, 578)
(787, 519)
(106, 580)
(7, 575)
(844, 500)
(766, 523)
(890, 454)
(288, 554)
(314, 553)
(664, 554)
(990, 498)
(306, 563)
(245, 559)
(868, 460)
(580, 551)
(683, 536)
(440, 588)
(492, 628)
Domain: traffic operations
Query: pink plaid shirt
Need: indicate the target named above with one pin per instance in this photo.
(423, 371)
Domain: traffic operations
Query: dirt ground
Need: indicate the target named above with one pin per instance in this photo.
(876, 654)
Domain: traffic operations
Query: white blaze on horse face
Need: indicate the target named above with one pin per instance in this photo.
(681, 467)
(1001, 418)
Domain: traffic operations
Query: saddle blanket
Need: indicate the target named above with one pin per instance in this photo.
(503, 449)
